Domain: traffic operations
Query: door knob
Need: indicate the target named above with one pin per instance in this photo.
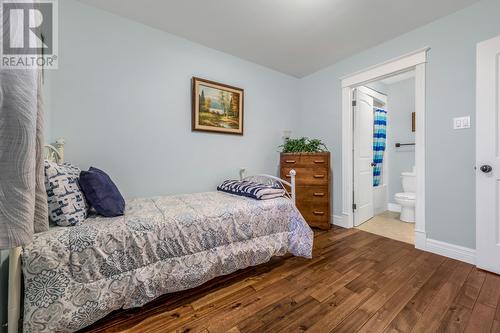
(486, 168)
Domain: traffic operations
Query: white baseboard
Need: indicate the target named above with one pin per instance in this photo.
(453, 251)
(457, 252)
(392, 207)
(423, 243)
(377, 211)
(340, 221)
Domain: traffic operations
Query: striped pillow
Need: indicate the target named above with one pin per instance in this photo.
(67, 205)
(251, 189)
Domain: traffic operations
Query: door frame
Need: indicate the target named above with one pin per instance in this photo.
(412, 61)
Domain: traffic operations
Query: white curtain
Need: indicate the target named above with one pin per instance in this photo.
(23, 201)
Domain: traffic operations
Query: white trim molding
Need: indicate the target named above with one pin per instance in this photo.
(412, 61)
(420, 146)
(388, 68)
(453, 251)
(340, 221)
(420, 240)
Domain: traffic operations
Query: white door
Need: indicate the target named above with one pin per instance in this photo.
(363, 157)
(488, 155)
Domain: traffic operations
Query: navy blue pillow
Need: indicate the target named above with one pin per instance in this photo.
(101, 193)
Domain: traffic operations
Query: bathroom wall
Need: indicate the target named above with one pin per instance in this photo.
(400, 105)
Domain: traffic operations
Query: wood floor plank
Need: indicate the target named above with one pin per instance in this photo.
(472, 287)
(490, 292)
(497, 314)
(275, 312)
(411, 313)
(356, 281)
(324, 291)
(389, 285)
(496, 327)
(381, 271)
(332, 319)
(306, 306)
(431, 318)
(459, 312)
(381, 319)
(220, 294)
(481, 320)
(304, 320)
(231, 314)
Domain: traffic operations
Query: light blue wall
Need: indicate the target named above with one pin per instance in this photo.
(122, 100)
(450, 154)
(400, 105)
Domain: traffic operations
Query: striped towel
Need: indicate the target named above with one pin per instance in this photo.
(251, 189)
(379, 141)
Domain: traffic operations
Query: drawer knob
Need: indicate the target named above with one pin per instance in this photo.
(319, 194)
(319, 176)
(319, 161)
(318, 213)
(290, 161)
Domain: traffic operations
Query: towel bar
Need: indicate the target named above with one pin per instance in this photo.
(403, 144)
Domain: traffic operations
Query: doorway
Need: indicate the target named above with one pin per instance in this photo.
(411, 62)
(384, 157)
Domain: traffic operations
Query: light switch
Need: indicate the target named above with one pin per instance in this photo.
(461, 122)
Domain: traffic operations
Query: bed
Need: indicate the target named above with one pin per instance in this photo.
(74, 276)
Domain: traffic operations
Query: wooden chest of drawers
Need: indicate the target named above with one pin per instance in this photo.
(312, 185)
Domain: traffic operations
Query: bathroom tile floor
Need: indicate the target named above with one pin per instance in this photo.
(388, 224)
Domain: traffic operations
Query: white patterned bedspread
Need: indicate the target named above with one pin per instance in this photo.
(76, 275)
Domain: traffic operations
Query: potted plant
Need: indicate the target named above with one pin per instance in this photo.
(303, 145)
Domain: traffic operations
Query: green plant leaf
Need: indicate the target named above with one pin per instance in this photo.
(303, 145)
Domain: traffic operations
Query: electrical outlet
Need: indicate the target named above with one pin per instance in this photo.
(461, 122)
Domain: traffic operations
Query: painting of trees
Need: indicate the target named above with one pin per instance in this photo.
(218, 107)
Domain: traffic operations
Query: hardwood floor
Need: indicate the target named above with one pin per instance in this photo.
(356, 282)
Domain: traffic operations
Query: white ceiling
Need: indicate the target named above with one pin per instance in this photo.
(297, 37)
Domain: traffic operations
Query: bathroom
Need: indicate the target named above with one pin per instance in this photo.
(393, 191)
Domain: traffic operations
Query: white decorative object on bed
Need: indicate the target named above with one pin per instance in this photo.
(74, 276)
(271, 180)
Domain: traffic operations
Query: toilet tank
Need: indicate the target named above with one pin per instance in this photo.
(409, 181)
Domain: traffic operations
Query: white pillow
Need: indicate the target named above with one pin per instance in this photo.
(67, 205)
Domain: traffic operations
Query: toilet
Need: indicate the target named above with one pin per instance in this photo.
(407, 198)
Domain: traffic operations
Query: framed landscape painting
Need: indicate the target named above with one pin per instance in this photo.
(216, 107)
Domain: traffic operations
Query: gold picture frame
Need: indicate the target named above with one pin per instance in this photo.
(216, 107)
